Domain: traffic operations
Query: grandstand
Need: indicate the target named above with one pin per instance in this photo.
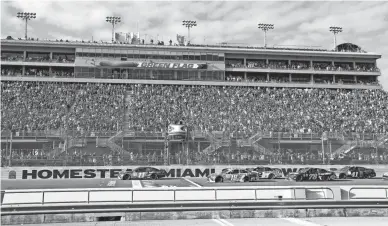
(88, 103)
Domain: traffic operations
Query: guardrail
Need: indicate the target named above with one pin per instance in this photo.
(366, 193)
(69, 201)
(89, 196)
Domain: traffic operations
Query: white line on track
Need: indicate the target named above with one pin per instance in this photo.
(222, 222)
(300, 222)
(191, 182)
(227, 223)
(136, 184)
(219, 222)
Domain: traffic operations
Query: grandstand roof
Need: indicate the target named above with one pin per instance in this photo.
(223, 48)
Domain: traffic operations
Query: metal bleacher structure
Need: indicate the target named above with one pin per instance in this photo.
(260, 142)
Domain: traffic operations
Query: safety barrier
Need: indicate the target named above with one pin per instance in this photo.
(368, 193)
(118, 195)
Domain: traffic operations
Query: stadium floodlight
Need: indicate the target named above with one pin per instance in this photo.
(335, 31)
(189, 24)
(113, 20)
(265, 28)
(26, 17)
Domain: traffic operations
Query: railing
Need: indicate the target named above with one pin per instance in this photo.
(253, 141)
(344, 149)
(118, 195)
(264, 134)
(368, 193)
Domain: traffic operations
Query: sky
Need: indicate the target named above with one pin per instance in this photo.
(297, 23)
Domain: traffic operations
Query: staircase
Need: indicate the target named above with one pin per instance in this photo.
(254, 142)
(127, 118)
(346, 148)
(382, 140)
(111, 144)
(215, 143)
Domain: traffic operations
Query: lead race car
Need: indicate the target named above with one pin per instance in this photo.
(142, 173)
(356, 172)
(312, 174)
(234, 175)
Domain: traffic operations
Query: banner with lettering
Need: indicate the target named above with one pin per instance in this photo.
(98, 172)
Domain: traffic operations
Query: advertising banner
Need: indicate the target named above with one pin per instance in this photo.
(100, 172)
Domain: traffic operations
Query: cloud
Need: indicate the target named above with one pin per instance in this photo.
(296, 23)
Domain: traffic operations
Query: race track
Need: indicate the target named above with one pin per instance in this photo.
(167, 182)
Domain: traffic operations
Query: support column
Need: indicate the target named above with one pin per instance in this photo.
(267, 76)
(355, 79)
(245, 76)
(245, 62)
(175, 75)
(334, 79)
(311, 64)
(290, 77)
(312, 78)
(51, 55)
(354, 64)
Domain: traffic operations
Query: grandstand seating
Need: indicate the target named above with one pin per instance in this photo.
(87, 107)
(45, 105)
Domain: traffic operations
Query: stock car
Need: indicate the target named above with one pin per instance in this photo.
(234, 175)
(142, 173)
(356, 172)
(385, 176)
(268, 172)
(312, 174)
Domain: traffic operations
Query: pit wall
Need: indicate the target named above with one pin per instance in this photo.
(100, 172)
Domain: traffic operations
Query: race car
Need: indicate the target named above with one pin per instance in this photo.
(385, 176)
(311, 174)
(356, 172)
(142, 173)
(267, 172)
(235, 175)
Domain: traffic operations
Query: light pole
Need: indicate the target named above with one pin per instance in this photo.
(113, 20)
(189, 24)
(26, 17)
(265, 28)
(335, 31)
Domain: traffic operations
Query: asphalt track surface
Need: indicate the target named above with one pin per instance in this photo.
(168, 182)
(316, 221)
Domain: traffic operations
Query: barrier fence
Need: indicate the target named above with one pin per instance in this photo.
(20, 198)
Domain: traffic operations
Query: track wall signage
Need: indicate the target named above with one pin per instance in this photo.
(60, 173)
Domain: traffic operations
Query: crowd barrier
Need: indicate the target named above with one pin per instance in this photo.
(20, 198)
(100, 172)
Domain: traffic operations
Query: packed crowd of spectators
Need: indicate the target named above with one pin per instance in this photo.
(301, 65)
(44, 105)
(60, 72)
(252, 109)
(94, 106)
(11, 71)
(56, 58)
(37, 72)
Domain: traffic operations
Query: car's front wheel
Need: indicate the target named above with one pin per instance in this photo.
(219, 180)
(154, 177)
(126, 177)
